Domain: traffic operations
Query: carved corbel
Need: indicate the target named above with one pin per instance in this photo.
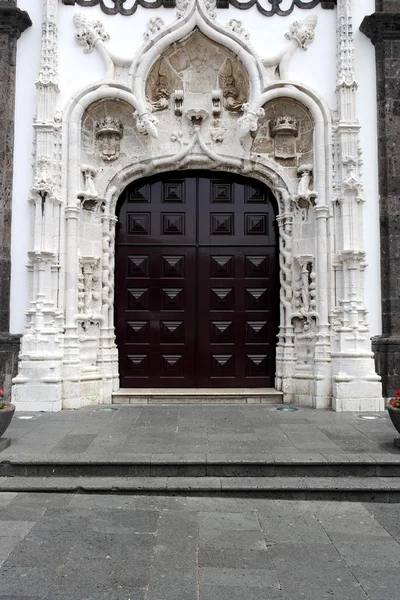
(305, 196)
(178, 103)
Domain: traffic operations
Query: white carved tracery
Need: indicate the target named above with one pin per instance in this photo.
(245, 115)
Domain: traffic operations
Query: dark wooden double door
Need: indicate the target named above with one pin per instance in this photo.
(195, 284)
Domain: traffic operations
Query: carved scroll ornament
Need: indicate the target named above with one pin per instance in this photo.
(268, 8)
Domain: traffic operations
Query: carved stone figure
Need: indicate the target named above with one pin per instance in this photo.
(231, 88)
(109, 132)
(303, 32)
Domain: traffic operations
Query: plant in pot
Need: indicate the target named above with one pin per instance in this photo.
(6, 413)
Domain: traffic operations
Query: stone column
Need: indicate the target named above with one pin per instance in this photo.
(383, 28)
(13, 22)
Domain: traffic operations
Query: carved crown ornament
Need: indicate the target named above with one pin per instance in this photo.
(268, 8)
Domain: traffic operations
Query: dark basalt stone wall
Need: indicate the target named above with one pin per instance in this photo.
(383, 28)
(13, 22)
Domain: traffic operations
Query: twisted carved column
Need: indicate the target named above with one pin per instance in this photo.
(383, 28)
(13, 22)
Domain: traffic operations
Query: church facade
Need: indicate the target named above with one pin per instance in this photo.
(202, 208)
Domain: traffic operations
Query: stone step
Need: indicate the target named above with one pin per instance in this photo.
(357, 489)
(197, 396)
(159, 466)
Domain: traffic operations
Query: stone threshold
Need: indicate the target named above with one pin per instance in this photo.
(197, 396)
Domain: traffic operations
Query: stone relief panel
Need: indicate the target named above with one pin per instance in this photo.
(195, 66)
(286, 134)
(109, 134)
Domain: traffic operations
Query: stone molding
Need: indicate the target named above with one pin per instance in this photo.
(381, 26)
(13, 21)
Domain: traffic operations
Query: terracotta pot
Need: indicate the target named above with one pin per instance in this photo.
(394, 414)
(6, 414)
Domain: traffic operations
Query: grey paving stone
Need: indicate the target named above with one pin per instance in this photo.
(237, 558)
(41, 547)
(213, 592)
(7, 545)
(240, 578)
(229, 521)
(378, 583)
(15, 528)
(369, 551)
(283, 527)
(26, 581)
(6, 498)
(251, 540)
(173, 584)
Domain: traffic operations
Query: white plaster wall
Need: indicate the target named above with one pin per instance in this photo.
(316, 68)
(367, 114)
(28, 61)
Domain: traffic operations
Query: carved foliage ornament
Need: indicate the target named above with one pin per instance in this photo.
(268, 8)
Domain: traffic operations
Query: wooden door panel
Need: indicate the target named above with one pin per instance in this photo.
(196, 293)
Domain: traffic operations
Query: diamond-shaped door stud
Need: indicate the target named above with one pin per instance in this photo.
(256, 299)
(172, 332)
(173, 192)
(256, 266)
(173, 224)
(172, 298)
(137, 332)
(139, 366)
(221, 332)
(221, 266)
(139, 223)
(256, 365)
(138, 266)
(137, 299)
(222, 224)
(139, 193)
(221, 192)
(256, 331)
(221, 299)
(255, 194)
(172, 365)
(173, 266)
(256, 224)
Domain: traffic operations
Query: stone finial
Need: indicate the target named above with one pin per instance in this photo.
(89, 33)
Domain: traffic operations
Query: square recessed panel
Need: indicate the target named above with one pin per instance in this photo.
(222, 332)
(172, 365)
(222, 266)
(173, 224)
(255, 195)
(256, 332)
(222, 365)
(139, 193)
(137, 332)
(138, 223)
(172, 332)
(137, 299)
(256, 365)
(173, 266)
(138, 266)
(138, 365)
(172, 299)
(256, 299)
(174, 192)
(222, 299)
(221, 192)
(255, 266)
(222, 224)
(255, 224)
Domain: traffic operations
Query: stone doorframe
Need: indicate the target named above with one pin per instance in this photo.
(238, 113)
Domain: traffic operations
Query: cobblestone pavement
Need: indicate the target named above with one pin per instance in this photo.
(89, 547)
(198, 432)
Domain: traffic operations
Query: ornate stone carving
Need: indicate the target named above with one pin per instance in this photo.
(88, 283)
(232, 88)
(286, 133)
(249, 120)
(43, 181)
(161, 92)
(303, 32)
(305, 195)
(89, 194)
(154, 25)
(284, 130)
(146, 123)
(109, 132)
(89, 33)
(237, 27)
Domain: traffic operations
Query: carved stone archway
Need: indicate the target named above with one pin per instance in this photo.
(197, 96)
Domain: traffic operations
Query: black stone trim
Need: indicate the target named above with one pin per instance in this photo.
(13, 21)
(381, 26)
(383, 29)
(275, 9)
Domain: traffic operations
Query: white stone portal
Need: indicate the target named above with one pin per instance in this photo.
(196, 95)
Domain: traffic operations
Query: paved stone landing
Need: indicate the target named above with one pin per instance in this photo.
(64, 547)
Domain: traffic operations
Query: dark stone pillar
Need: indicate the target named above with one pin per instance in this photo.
(383, 28)
(13, 22)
